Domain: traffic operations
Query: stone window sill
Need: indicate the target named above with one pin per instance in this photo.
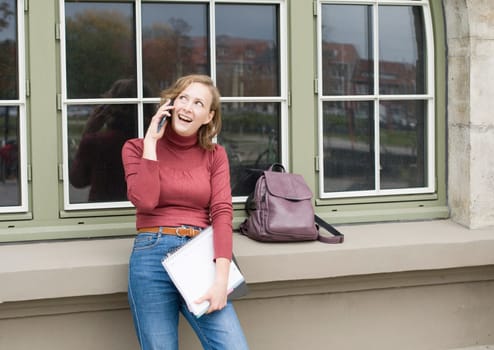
(47, 270)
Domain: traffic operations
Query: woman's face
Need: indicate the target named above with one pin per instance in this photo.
(192, 109)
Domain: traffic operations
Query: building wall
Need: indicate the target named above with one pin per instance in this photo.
(470, 30)
(416, 311)
(405, 288)
(415, 285)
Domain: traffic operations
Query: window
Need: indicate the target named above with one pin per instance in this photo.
(376, 98)
(13, 162)
(118, 56)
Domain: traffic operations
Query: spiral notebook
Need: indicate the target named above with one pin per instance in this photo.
(192, 270)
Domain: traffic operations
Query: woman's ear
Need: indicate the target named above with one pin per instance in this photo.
(210, 117)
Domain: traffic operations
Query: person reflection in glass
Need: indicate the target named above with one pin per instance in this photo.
(97, 162)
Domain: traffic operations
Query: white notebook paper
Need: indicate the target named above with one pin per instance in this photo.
(192, 269)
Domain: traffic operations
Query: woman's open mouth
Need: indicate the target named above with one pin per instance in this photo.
(184, 118)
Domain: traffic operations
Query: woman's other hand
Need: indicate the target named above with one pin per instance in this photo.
(218, 293)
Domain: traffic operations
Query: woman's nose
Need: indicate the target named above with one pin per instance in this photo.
(187, 105)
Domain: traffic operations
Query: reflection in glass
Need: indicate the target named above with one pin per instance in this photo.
(403, 144)
(348, 146)
(100, 46)
(401, 50)
(250, 135)
(10, 187)
(247, 50)
(9, 69)
(96, 134)
(174, 43)
(347, 59)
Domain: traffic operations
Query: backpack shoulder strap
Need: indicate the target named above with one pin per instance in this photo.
(337, 237)
(250, 204)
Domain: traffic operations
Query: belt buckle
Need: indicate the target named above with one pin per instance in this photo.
(177, 231)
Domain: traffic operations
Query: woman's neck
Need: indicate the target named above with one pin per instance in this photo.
(178, 140)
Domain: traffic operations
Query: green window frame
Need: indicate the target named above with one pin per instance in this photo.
(43, 214)
(366, 198)
(376, 99)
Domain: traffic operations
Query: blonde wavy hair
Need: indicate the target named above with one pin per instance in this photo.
(208, 131)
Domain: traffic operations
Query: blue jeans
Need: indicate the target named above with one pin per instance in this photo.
(155, 302)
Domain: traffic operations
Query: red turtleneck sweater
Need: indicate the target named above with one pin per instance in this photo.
(187, 185)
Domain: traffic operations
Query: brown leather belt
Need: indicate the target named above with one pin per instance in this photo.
(178, 231)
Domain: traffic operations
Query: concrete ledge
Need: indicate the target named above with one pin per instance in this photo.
(384, 247)
(96, 267)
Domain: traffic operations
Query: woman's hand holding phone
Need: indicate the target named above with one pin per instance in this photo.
(153, 135)
(166, 115)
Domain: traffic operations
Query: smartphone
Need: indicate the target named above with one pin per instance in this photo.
(163, 120)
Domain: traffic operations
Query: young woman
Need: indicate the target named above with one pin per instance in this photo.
(179, 182)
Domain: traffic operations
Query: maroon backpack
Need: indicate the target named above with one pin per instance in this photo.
(280, 210)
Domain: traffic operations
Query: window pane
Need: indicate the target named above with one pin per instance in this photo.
(100, 42)
(174, 43)
(347, 60)
(401, 50)
(250, 134)
(348, 146)
(247, 50)
(149, 111)
(9, 70)
(10, 186)
(403, 144)
(96, 134)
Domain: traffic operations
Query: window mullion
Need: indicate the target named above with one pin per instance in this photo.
(431, 118)
(22, 107)
(377, 143)
(139, 75)
(212, 38)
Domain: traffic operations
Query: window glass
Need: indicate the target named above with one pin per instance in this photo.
(11, 110)
(250, 134)
(403, 144)
(347, 53)
(96, 134)
(9, 70)
(349, 140)
(100, 46)
(375, 117)
(10, 184)
(401, 50)
(247, 50)
(175, 42)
